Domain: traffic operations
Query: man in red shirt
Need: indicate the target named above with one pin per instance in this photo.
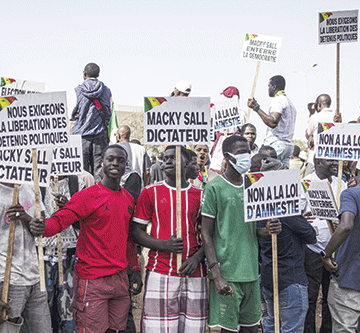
(104, 248)
(173, 301)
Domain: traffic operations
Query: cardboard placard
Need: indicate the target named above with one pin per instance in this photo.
(338, 142)
(261, 48)
(68, 160)
(34, 121)
(338, 27)
(10, 87)
(227, 115)
(176, 120)
(272, 194)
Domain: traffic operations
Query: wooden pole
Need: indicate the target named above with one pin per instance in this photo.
(253, 88)
(58, 238)
(38, 216)
(178, 202)
(275, 282)
(10, 248)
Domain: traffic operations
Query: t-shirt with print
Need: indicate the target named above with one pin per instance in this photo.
(234, 239)
(24, 266)
(157, 204)
(348, 255)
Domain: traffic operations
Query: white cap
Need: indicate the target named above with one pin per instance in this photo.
(303, 155)
(183, 86)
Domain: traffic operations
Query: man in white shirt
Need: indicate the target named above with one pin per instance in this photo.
(280, 120)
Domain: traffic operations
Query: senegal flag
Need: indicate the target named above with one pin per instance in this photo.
(324, 16)
(305, 184)
(249, 36)
(252, 178)
(4, 81)
(151, 102)
(324, 126)
(6, 101)
(113, 124)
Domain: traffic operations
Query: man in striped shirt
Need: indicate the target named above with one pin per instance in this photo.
(174, 301)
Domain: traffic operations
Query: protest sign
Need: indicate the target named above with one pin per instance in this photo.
(272, 194)
(33, 121)
(338, 27)
(261, 48)
(338, 142)
(68, 160)
(227, 115)
(16, 166)
(177, 121)
(320, 199)
(10, 87)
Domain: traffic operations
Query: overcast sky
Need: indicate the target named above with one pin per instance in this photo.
(144, 47)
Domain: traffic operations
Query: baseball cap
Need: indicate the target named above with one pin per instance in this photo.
(230, 91)
(183, 86)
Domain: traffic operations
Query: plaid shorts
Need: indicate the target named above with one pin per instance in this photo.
(174, 304)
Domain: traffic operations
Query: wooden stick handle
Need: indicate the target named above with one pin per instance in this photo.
(10, 248)
(275, 282)
(58, 238)
(337, 78)
(38, 216)
(253, 88)
(178, 203)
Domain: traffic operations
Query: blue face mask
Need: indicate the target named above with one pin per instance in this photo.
(242, 162)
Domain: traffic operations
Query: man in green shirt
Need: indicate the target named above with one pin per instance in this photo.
(231, 246)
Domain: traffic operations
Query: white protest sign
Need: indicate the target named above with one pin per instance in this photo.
(338, 142)
(16, 166)
(68, 160)
(272, 194)
(261, 48)
(320, 199)
(10, 87)
(338, 27)
(33, 121)
(227, 114)
(177, 120)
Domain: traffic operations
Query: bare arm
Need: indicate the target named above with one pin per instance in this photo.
(140, 236)
(340, 235)
(271, 120)
(207, 228)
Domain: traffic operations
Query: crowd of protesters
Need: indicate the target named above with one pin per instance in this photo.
(129, 203)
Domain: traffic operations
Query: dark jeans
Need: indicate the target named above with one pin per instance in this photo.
(92, 150)
(317, 274)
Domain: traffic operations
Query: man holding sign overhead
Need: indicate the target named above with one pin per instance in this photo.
(280, 119)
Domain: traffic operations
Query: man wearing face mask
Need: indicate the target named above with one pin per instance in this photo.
(231, 246)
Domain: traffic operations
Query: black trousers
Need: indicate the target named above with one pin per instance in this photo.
(317, 275)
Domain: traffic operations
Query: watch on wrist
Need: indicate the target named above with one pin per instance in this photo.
(324, 255)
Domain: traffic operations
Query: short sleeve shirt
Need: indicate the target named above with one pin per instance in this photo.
(284, 131)
(348, 254)
(234, 239)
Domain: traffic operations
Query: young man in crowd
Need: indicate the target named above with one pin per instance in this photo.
(344, 291)
(248, 131)
(92, 114)
(205, 175)
(27, 308)
(174, 301)
(231, 245)
(280, 120)
(292, 280)
(104, 248)
(315, 270)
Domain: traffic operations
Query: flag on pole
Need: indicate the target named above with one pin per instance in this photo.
(113, 124)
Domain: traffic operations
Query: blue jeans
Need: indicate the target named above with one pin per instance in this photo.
(293, 305)
(283, 151)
